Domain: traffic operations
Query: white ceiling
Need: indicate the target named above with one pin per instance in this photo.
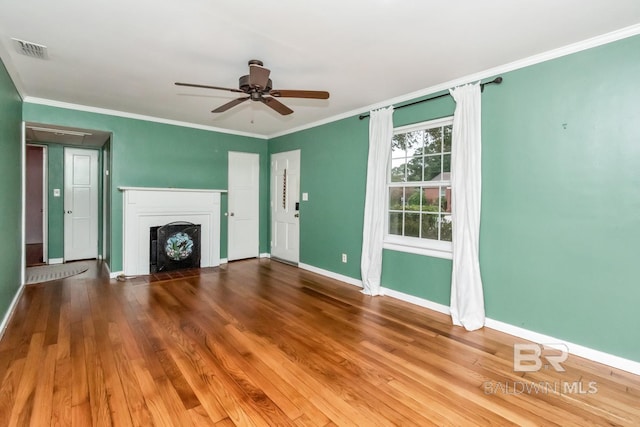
(125, 55)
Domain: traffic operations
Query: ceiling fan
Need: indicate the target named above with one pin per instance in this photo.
(258, 86)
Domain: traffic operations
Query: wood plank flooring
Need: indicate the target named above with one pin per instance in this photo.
(260, 343)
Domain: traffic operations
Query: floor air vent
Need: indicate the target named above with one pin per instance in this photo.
(33, 50)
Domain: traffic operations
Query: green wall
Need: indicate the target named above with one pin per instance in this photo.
(10, 191)
(150, 154)
(561, 178)
(55, 179)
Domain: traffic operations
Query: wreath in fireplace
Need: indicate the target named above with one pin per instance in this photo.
(179, 246)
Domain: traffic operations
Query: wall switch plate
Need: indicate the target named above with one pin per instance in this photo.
(56, 192)
(305, 197)
(344, 258)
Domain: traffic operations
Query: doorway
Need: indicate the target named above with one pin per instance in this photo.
(285, 204)
(55, 140)
(35, 205)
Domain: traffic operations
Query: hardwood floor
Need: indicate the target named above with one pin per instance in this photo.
(262, 343)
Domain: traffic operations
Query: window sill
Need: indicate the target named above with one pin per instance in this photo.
(435, 253)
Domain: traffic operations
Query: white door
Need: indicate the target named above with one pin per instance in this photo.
(243, 214)
(80, 204)
(285, 199)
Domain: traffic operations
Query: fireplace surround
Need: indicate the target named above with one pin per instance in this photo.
(144, 208)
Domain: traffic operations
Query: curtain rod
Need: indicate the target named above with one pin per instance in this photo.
(497, 81)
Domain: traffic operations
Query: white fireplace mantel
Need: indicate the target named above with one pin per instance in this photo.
(146, 207)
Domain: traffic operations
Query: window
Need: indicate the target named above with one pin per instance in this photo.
(419, 189)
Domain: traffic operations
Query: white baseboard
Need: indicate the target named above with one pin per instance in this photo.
(114, 274)
(440, 308)
(265, 255)
(224, 260)
(56, 261)
(575, 349)
(9, 313)
(331, 274)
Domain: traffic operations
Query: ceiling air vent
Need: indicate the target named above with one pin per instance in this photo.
(33, 50)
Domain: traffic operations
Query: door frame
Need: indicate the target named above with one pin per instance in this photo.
(272, 203)
(45, 199)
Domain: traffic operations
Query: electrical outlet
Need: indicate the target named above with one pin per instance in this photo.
(344, 258)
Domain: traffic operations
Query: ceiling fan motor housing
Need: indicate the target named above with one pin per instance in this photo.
(246, 87)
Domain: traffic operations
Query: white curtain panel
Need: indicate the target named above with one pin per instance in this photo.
(380, 136)
(467, 298)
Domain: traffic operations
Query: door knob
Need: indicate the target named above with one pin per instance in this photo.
(297, 215)
(231, 214)
(68, 212)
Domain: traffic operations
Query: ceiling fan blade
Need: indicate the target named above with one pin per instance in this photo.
(277, 105)
(284, 93)
(228, 105)
(208, 87)
(258, 76)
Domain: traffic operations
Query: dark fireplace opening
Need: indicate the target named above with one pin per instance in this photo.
(174, 246)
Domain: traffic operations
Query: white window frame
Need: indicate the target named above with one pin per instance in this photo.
(415, 245)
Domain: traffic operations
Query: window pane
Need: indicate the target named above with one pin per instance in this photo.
(412, 199)
(396, 195)
(398, 173)
(433, 141)
(446, 165)
(398, 146)
(445, 199)
(395, 223)
(412, 224)
(430, 199)
(414, 142)
(407, 144)
(447, 139)
(430, 226)
(445, 228)
(432, 167)
(414, 169)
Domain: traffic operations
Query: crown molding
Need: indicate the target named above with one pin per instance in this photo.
(124, 114)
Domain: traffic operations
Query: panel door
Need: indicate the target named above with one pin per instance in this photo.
(285, 198)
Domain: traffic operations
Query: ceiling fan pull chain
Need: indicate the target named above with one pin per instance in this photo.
(284, 190)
